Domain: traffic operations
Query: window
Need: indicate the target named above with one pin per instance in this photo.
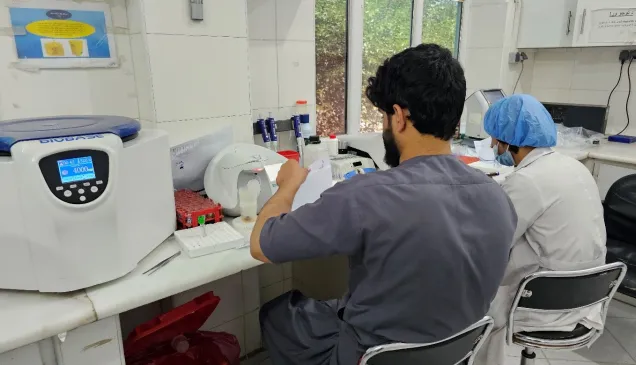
(387, 30)
(382, 29)
(331, 63)
(439, 23)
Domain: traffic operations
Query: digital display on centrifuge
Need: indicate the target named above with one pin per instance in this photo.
(76, 169)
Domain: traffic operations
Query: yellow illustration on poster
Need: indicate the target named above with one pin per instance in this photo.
(63, 34)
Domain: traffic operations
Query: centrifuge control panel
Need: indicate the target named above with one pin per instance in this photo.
(76, 177)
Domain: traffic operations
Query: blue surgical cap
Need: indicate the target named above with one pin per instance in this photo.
(522, 121)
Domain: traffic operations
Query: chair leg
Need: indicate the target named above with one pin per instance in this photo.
(527, 356)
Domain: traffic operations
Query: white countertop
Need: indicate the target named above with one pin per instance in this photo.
(27, 317)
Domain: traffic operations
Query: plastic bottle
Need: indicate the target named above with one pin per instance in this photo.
(332, 145)
(305, 125)
(314, 151)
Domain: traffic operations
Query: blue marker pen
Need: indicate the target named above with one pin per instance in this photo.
(264, 133)
(271, 123)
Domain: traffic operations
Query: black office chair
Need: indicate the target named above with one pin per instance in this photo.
(562, 292)
(457, 349)
(619, 210)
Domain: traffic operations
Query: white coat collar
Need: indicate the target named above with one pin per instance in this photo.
(536, 154)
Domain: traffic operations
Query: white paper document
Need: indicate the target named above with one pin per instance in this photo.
(484, 151)
(318, 180)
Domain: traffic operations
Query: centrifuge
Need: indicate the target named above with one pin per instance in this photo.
(84, 199)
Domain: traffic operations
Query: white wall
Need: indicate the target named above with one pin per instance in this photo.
(574, 75)
(192, 77)
(47, 92)
(282, 58)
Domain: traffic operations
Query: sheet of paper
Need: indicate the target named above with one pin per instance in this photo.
(318, 180)
(190, 159)
(484, 151)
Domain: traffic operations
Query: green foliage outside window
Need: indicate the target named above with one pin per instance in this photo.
(387, 30)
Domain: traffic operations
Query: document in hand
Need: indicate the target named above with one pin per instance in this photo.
(318, 180)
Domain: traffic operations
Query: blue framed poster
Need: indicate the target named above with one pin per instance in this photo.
(63, 34)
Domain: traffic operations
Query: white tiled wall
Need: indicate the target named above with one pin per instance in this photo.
(282, 56)
(584, 76)
(192, 76)
(47, 92)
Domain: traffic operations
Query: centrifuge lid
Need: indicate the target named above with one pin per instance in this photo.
(14, 131)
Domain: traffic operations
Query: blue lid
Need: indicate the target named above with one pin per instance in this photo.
(14, 131)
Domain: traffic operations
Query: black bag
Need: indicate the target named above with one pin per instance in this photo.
(620, 221)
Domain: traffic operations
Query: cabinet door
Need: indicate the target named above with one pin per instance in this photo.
(97, 343)
(605, 23)
(546, 23)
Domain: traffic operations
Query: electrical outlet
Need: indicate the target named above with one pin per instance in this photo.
(624, 56)
(516, 57)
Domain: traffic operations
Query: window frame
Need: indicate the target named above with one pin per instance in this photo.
(355, 53)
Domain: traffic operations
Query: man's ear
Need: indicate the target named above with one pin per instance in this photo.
(400, 118)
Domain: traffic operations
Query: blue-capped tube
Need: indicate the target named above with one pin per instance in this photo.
(264, 132)
(271, 123)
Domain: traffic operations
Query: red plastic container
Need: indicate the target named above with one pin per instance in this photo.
(290, 155)
(173, 338)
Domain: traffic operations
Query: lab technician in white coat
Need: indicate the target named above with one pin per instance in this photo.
(560, 217)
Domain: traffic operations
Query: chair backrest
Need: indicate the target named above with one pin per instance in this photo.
(457, 349)
(565, 291)
(620, 210)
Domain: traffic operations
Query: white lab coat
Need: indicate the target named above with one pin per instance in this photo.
(560, 227)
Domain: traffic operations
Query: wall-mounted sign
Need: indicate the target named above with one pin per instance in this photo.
(61, 34)
(613, 25)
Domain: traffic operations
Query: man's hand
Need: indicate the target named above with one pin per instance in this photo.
(291, 175)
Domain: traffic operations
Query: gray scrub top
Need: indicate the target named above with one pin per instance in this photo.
(428, 244)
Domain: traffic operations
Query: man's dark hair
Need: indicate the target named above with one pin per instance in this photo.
(427, 81)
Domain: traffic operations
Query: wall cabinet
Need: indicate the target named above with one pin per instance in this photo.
(602, 23)
(576, 23)
(546, 23)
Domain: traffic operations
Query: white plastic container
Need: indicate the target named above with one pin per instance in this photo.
(315, 152)
(332, 145)
(303, 113)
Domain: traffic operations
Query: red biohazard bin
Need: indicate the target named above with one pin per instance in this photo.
(174, 338)
(290, 155)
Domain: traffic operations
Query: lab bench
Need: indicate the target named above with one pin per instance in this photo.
(83, 327)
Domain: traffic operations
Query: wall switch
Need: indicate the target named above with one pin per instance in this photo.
(196, 9)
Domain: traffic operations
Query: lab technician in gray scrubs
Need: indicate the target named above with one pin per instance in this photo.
(427, 240)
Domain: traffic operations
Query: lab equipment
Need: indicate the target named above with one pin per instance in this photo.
(367, 145)
(303, 113)
(342, 147)
(476, 107)
(577, 137)
(248, 196)
(234, 167)
(344, 167)
(332, 145)
(264, 132)
(622, 139)
(86, 198)
(290, 155)
(220, 237)
(315, 150)
(521, 120)
(190, 206)
(591, 117)
(300, 141)
(270, 123)
(161, 264)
